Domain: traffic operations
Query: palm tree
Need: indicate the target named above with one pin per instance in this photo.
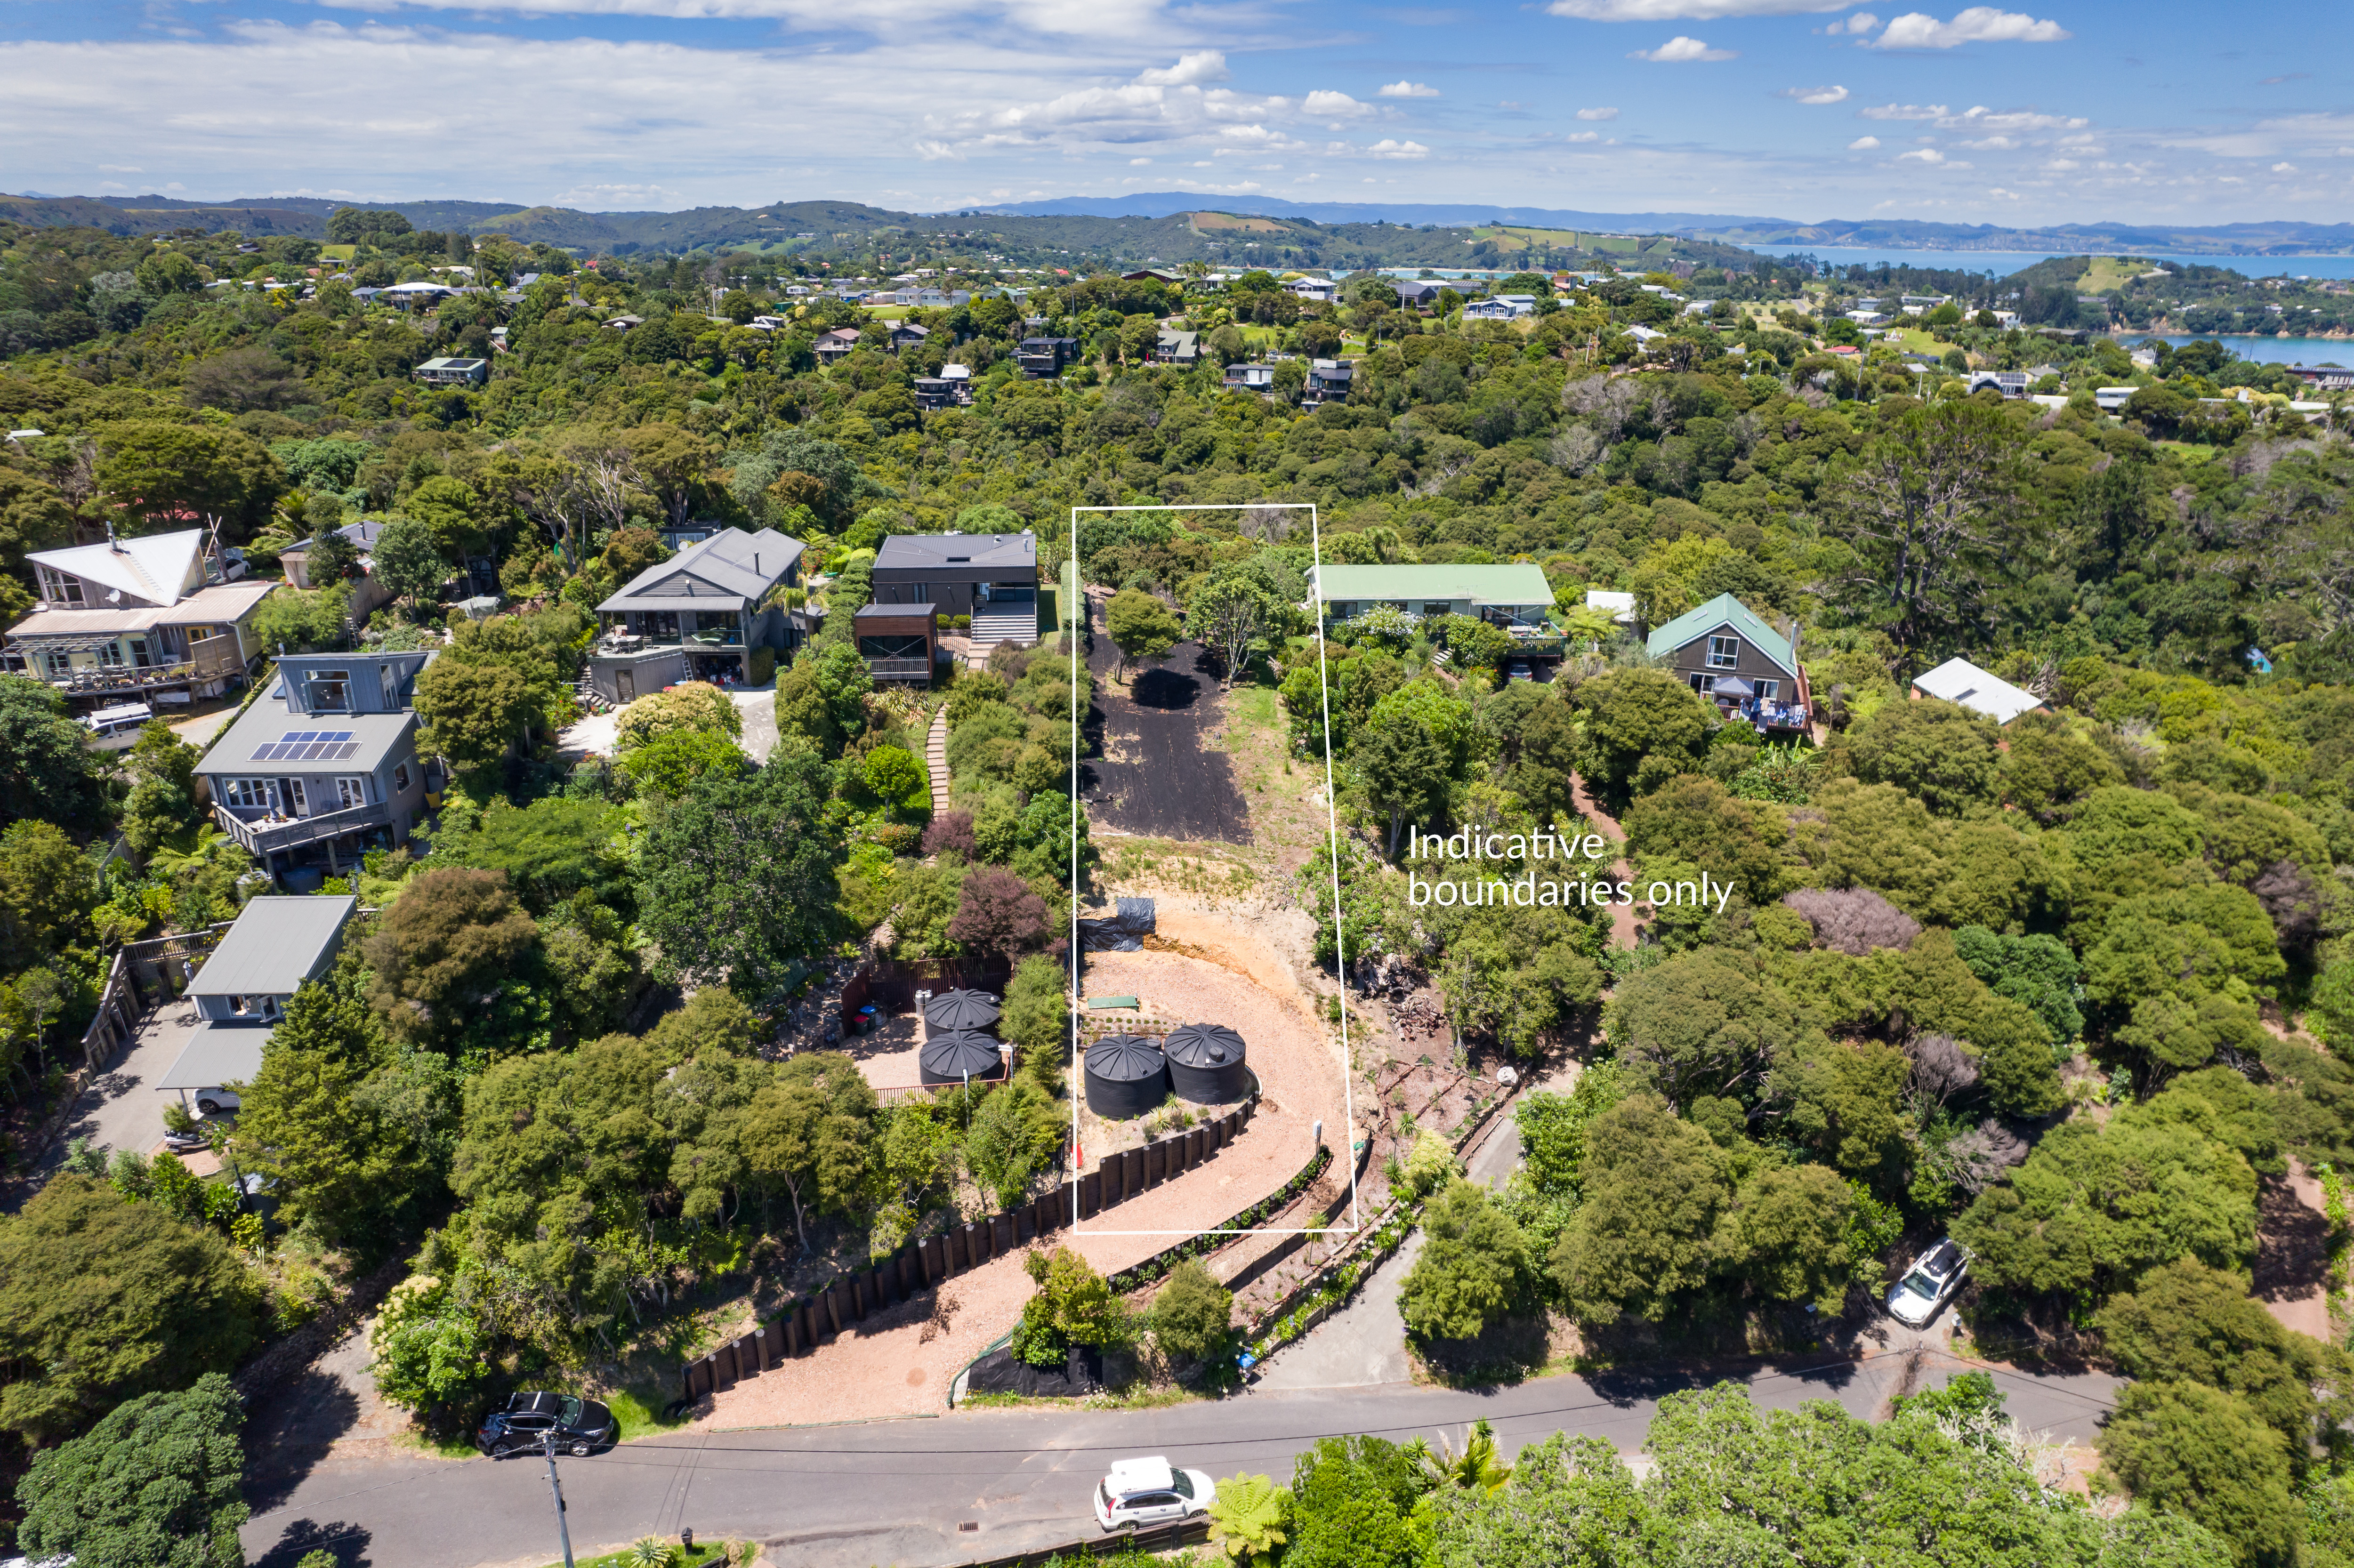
(1249, 1518)
(1476, 1466)
(650, 1552)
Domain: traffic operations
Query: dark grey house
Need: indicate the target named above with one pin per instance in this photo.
(960, 574)
(324, 766)
(699, 616)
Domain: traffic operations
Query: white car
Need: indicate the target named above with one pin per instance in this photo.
(1933, 1277)
(1148, 1491)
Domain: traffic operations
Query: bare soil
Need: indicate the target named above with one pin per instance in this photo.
(1155, 768)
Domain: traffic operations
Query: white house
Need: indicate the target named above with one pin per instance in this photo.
(1959, 681)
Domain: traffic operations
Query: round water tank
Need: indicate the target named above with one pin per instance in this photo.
(1127, 1076)
(961, 1010)
(1205, 1064)
(957, 1055)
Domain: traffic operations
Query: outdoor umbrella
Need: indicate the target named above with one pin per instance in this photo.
(961, 1010)
(957, 1055)
(1733, 686)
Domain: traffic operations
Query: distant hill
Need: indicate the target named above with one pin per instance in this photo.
(1177, 225)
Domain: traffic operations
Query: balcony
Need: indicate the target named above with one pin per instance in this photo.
(262, 834)
(917, 668)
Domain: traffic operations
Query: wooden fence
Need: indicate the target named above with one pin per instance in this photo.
(1151, 1538)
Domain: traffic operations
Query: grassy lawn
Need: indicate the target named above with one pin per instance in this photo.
(628, 1557)
(637, 1412)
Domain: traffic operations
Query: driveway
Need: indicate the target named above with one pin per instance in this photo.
(900, 1491)
(120, 1109)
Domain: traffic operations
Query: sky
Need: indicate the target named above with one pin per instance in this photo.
(2152, 111)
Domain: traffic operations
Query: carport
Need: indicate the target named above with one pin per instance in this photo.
(216, 1055)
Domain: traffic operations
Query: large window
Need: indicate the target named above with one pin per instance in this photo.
(351, 791)
(1723, 652)
(329, 690)
(1768, 690)
(61, 588)
(251, 793)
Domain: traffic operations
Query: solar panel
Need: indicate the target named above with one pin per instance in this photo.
(309, 745)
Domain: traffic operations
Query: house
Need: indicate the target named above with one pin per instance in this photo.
(452, 372)
(1419, 293)
(1152, 275)
(1514, 597)
(322, 767)
(1321, 290)
(417, 296)
(992, 578)
(1959, 681)
(2010, 383)
(1644, 336)
(1329, 381)
(1618, 607)
(2112, 399)
(623, 323)
(2330, 377)
(277, 945)
(900, 641)
(1500, 308)
(1043, 358)
(698, 616)
(836, 345)
(367, 593)
(1726, 652)
(951, 389)
(1182, 349)
(157, 617)
(906, 334)
(931, 299)
(1259, 378)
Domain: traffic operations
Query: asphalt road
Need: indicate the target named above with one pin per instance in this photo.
(898, 1492)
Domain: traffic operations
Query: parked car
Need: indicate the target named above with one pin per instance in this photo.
(212, 1099)
(1148, 1491)
(1934, 1278)
(581, 1427)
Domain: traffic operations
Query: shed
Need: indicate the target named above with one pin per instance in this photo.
(1205, 1064)
(1127, 1076)
(1981, 691)
(959, 1055)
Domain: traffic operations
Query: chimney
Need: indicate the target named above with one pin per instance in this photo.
(112, 543)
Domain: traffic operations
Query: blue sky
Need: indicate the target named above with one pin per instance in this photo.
(2156, 111)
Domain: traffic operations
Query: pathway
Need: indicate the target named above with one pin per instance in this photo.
(1624, 927)
(936, 755)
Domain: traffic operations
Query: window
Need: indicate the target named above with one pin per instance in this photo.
(400, 778)
(61, 588)
(385, 688)
(1723, 652)
(289, 791)
(251, 793)
(350, 792)
(60, 665)
(329, 690)
(1768, 690)
(1704, 684)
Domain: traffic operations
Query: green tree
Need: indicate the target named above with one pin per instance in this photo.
(689, 707)
(474, 714)
(1193, 1318)
(822, 698)
(1695, 820)
(162, 799)
(1249, 1519)
(157, 1483)
(1941, 752)
(669, 766)
(409, 561)
(809, 1130)
(2183, 1447)
(154, 475)
(1232, 614)
(455, 959)
(736, 877)
(1405, 770)
(1141, 628)
(1793, 1225)
(2185, 1322)
(1656, 1189)
(1473, 1269)
(48, 888)
(48, 773)
(1071, 1305)
(153, 1302)
(1642, 727)
(1036, 1015)
(1350, 1500)
(1702, 1022)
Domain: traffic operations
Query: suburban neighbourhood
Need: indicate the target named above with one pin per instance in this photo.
(896, 894)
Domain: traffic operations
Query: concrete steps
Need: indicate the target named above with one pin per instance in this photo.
(936, 756)
(990, 628)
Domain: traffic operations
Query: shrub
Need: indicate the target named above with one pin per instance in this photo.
(1193, 1319)
(1853, 920)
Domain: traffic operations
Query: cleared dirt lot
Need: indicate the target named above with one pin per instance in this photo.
(1156, 769)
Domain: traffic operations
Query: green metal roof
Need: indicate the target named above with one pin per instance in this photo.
(1480, 584)
(1723, 610)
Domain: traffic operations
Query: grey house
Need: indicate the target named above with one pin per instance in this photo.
(242, 991)
(960, 574)
(698, 616)
(324, 766)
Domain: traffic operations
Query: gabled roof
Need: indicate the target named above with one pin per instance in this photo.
(1480, 584)
(731, 564)
(158, 568)
(1959, 681)
(1721, 611)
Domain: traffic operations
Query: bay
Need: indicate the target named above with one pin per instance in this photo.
(2003, 263)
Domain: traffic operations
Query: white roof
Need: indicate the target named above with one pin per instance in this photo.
(1959, 681)
(1141, 1475)
(156, 567)
(1619, 606)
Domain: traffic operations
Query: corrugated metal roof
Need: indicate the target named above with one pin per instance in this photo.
(154, 567)
(1515, 585)
(276, 945)
(267, 723)
(1959, 681)
(215, 1055)
(1723, 610)
(726, 561)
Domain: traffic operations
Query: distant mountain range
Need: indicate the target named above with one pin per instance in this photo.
(1353, 232)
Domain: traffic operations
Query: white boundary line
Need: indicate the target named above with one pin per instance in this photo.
(1347, 1151)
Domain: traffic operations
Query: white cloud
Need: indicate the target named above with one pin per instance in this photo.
(1978, 25)
(1992, 144)
(1679, 50)
(933, 150)
(121, 169)
(1190, 70)
(2283, 168)
(1923, 154)
(1815, 94)
(1325, 105)
(1904, 111)
(1128, 19)
(1387, 148)
(1137, 163)
(1583, 136)
(1861, 22)
(1984, 119)
(1597, 114)
(1863, 144)
(1407, 90)
(1682, 10)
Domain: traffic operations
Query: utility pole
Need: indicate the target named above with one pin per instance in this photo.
(562, 1531)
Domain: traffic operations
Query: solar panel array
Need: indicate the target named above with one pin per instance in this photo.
(309, 745)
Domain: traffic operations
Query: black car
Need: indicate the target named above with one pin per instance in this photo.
(581, 1427)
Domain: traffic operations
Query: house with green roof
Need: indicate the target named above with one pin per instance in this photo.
(1514, 596)
(1727, 653)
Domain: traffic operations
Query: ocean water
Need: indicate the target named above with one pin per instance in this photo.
(2264, 350)
(2003, 263)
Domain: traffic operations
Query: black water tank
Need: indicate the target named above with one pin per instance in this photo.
(959, 1053)
(1127, 1076)
(1205, 1064)
(961, 1010)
